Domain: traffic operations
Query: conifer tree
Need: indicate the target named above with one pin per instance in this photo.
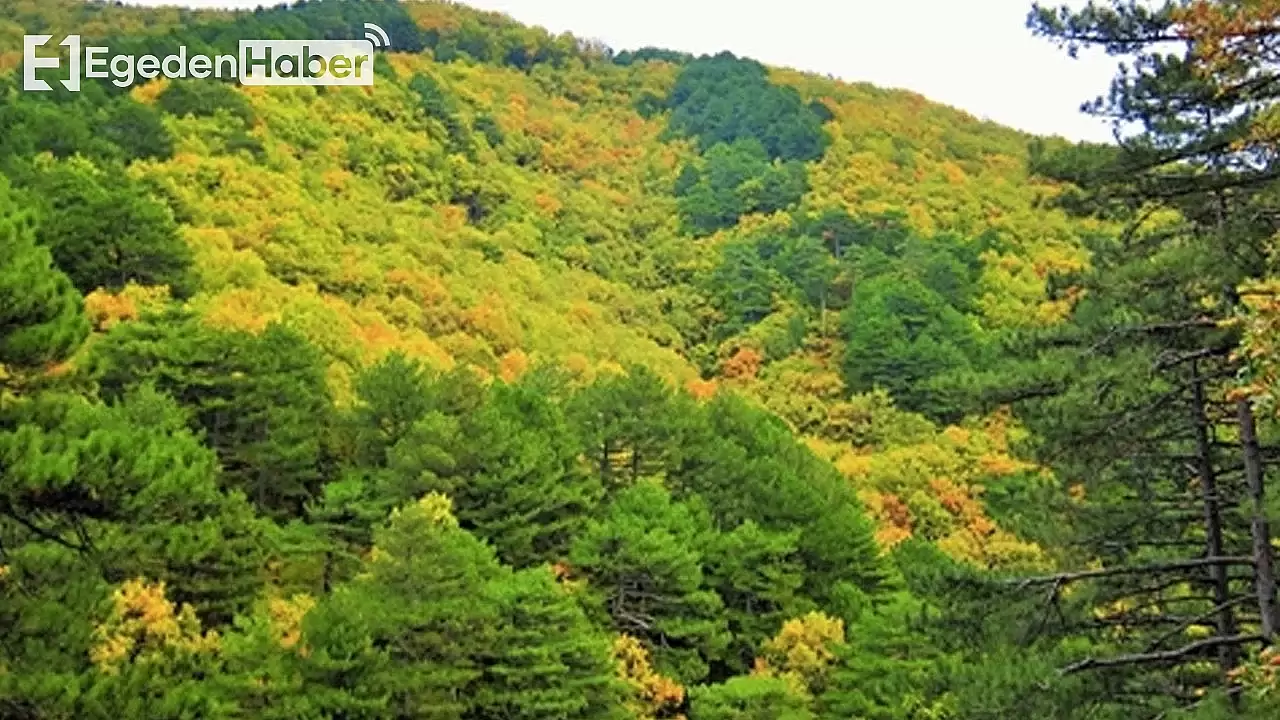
(519, 481)
(758, 576)
(1159, 408)
(131, 490)
(633, 426)
(746, 465)
(644, 564)
(506, 454)
(547, 660)
(748, 698)
(105, 231)
(41, 314)
(901, 334)
(429, 611)
(262, 401)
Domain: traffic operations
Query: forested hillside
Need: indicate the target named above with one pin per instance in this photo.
(542, 380)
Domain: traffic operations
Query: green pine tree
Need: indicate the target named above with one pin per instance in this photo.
(631, 425)
(746, 465)
(748, 698)
(41, 314)
(644, 563)
(135, 493)
(520, 485)
(426, 593)
(261, 401)
(547, 660)
(758, 576)
(105, 230)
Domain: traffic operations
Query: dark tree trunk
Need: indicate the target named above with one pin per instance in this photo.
(1264, 572)
(1228, 654)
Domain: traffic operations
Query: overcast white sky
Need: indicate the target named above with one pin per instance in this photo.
(973, 54)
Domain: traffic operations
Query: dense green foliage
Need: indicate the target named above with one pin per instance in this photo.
(260, 401)
(105, 232)
(539, 381)
(42, 318)
(733, 180)
(92, 123)
(723, 99)
(755, 137)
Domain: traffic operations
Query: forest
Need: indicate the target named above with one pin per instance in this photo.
(546, 381)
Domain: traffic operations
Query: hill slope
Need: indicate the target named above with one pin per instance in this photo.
(629, 244)
(521, 203)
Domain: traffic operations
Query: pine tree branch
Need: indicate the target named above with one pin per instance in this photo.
(1165, 656)
(1169, 360)
(46, 534)
(1197, 620)
(1141, 569)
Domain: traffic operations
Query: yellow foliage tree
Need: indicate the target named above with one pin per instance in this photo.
(144, 626)
(652, 696)
(106, 309)
(286, 616)
(802, 652)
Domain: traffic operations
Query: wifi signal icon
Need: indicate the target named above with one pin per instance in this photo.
(377, 36)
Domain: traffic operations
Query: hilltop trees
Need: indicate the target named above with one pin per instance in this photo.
(754, 137)
(724, 99)
(204, 99)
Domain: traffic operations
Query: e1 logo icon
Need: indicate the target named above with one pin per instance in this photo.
(31, 62)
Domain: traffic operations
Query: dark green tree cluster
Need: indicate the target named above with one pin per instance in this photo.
(650, 54)
(747, 287)
(909, 313)
(901, 335)
(647, 496)
(199, 98)
(105, 230)
(736, 179)
(261, 402)
(755, 138)
(442, 107)
(41, 316)
(104, 126)
(724, 99)
(435, 627)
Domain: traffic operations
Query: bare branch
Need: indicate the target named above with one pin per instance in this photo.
(1138, 570)
(1197, 620)
(1165, 656)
